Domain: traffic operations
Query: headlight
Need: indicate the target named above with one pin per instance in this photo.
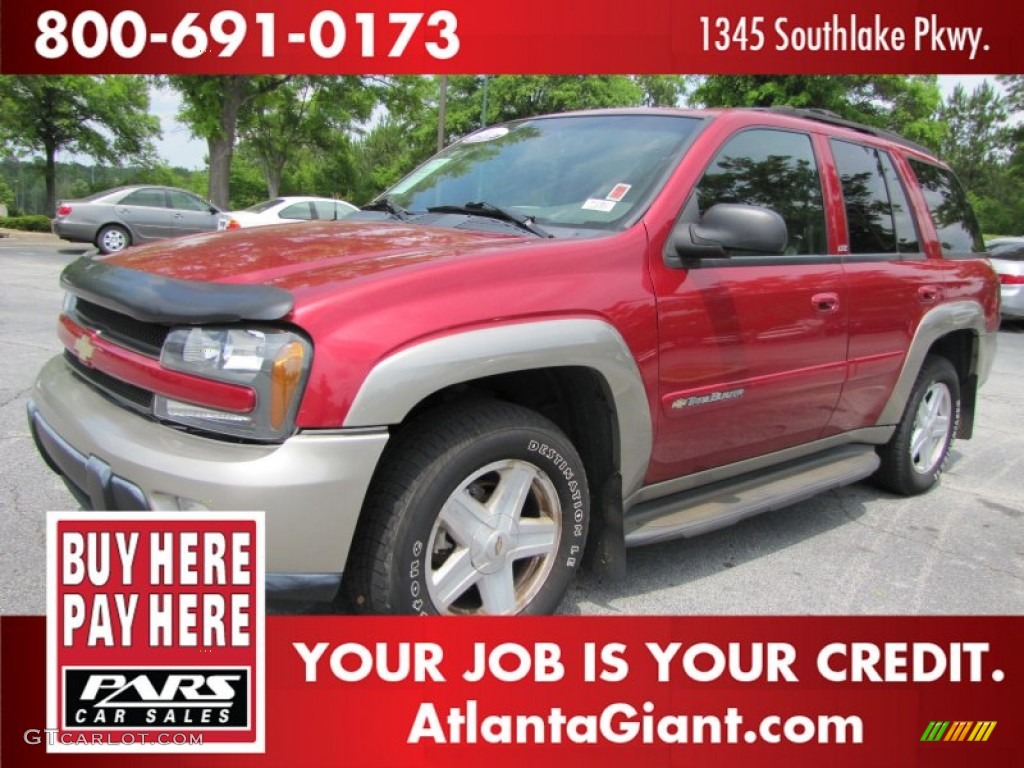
(273, 362)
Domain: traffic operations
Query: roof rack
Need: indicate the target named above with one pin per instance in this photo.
(831, 118)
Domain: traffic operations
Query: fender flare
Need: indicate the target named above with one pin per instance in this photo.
(400, 381)
(939, 322)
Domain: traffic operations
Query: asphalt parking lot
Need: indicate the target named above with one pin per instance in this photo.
(956, 550)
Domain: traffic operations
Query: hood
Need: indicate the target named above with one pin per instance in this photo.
(307, 255)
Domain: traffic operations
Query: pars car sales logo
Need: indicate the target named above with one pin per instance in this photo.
(155, 632)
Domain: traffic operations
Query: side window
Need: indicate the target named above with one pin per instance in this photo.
(869, 215)
(1007, 250)
(774, 169)
(955, 224)
(296, 211)
(902, 214)
(150, 198)
(185, 202)
(325, 209)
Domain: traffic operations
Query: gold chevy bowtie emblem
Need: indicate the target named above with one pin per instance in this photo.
(84, 348)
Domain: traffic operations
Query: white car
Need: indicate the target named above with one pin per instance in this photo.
(282, 210)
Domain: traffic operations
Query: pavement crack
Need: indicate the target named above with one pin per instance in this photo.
(30, 345)
(15, 397)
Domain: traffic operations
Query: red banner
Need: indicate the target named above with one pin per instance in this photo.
(634, 691)
(531, 36)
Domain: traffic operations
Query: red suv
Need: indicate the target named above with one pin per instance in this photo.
(557, 338)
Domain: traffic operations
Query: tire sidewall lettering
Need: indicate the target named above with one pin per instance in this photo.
(569, 480)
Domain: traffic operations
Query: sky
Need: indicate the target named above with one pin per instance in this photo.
(178, 148)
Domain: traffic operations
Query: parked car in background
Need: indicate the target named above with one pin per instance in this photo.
(1007, 254)
(282, 210)
(124, 216)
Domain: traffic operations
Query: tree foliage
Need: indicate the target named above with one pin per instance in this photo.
(403, 136)
(307, 113)
(510, 97)
(352, 137)
(977, 136)
(212, 107)
(984, 148)
(103, 117)
(902, 103)
(6, 194)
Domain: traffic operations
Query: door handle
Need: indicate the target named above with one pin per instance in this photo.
(179, 215)
(825, 303)
(929, 294)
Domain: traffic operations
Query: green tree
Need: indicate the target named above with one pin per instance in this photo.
(310, 112)
(103, 117)
(510, 97)
(212, 107)
(1014, 85)
(903, 103)
(977, 137)
(662, 90)
(400, 140)
(389, 151)
(6, 194)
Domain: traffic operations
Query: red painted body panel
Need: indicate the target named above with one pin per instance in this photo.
(749, 328)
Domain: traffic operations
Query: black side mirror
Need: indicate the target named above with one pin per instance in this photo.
(728, 227)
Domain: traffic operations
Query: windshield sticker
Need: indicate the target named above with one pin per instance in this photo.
(618, 192)
(414, 178)
(487, 134)
(599, 205)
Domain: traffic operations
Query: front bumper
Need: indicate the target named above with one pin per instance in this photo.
(311, 486)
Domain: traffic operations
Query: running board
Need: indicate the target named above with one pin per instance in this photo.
(715, 506)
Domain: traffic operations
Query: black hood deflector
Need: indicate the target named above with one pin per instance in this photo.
(153, 298)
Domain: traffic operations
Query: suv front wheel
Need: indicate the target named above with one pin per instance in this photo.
(479, 508)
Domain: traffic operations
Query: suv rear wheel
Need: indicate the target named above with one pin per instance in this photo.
(479, 508)
(913, 459)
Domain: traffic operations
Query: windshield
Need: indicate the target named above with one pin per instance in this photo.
(590, 171)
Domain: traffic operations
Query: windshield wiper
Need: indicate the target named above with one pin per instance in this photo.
(387, 205)
(493, 212)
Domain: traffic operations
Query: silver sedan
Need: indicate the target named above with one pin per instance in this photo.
(1007, 255)
(117, 218)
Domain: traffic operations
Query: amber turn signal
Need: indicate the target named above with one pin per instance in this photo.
(284, 382)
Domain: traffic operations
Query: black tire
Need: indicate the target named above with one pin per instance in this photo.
(916, 455)
(113, 239)
(433, 538)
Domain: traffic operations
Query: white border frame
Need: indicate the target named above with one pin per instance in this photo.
(257, 678)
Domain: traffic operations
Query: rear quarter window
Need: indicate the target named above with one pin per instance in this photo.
(954, 220)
